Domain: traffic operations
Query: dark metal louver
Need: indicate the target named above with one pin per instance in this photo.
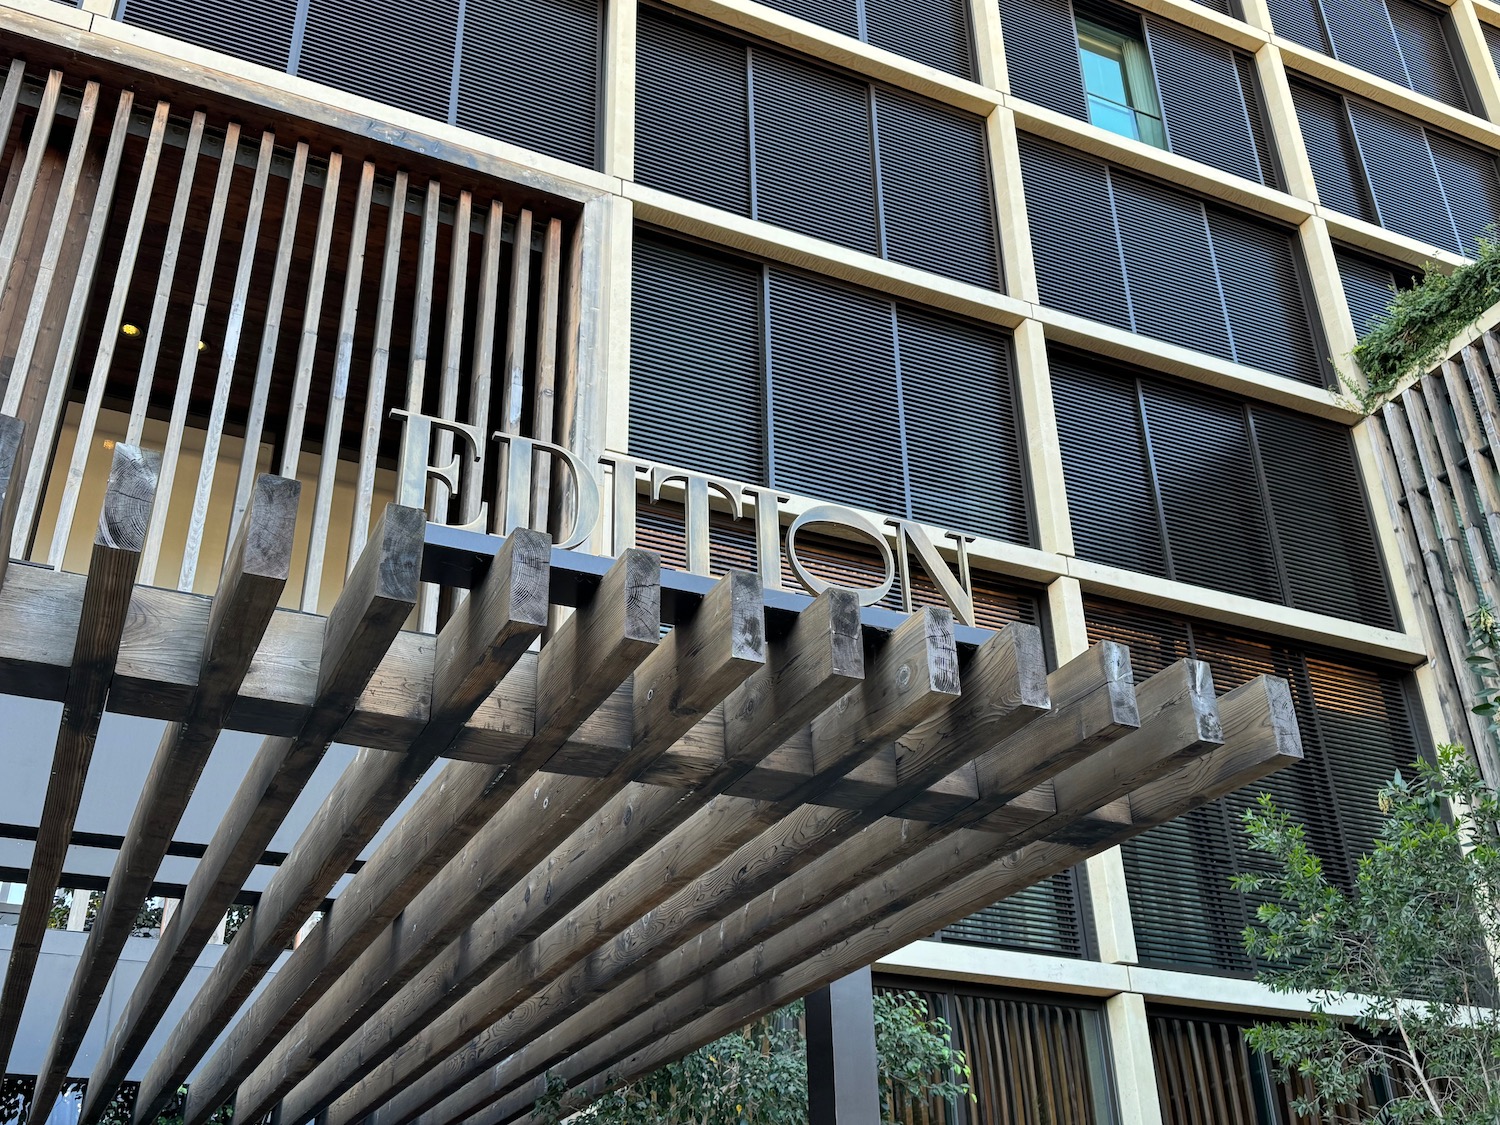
(1202, 100)
(936, 32)
(1331, 150)
(1430, 67)
(1402, 176)
(1363, 37)
(1492, 40)
(1044, 918)
(1471, 188)
(1369, 288)
(1207, 489)
(934, 162)
(1300, 21)
(836, 15)
(259, 31)
(401, 54)
(1041, 54)
(698, 146)
(696, 396)
(1357, 730)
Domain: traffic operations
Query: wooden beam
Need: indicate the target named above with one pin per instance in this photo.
(691, 671)
(805, 672)
(882, 709)
(249, 589)
(580, 667)
(376, 600)
(1260, 736)
(106, 601)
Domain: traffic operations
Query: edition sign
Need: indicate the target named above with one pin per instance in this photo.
(527, 465)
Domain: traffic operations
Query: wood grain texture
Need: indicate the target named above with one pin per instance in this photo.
(378, 597)
(106, 602)
(12, 483)
(249, 588)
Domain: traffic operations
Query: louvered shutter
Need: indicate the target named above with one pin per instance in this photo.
(935, 32)
(835, 427)
(530, 74)
(1070, 214)
(935, 162)
(1169, 266)
(1043, 918)
(1265, 149)
(1424, 49)
(1368, 289)
(964, 465)
(1261, 278)
(1041, 54)
(400, 52)
(1200, 99)
(836, 15)
(1110, 495)
(1301, 21)
(1402, 176)
(1471, 187)
(692, 124)
(1492, 39)
(259, 31)
(1362, 37)
(1322, 520)
(1210, 500)
(1330, 148)
(1223, 7)
(814, 162)
(695, 365)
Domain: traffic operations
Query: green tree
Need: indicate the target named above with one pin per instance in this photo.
(1408, 945)
(759, 1074)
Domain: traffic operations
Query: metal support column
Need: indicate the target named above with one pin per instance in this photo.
(843, 1074)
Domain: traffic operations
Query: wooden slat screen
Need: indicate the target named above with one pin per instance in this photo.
(1404, 42)
(1357, 731)
(1210, 97)
(1286, 488)
(525, 73)
(1035, 1060)
(1206, 1074)
(1385, 168)
(762, 372)
(791, 142)
(1086, 216)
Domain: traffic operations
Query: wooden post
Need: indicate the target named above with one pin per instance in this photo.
(106, 601)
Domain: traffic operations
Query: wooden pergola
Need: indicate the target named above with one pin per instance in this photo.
(671, 803)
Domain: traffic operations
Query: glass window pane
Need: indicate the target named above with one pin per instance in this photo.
(1116, 118)
(1103, 72)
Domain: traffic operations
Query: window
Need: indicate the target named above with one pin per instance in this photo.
(1164, 476)
(1117, 81)
(1148, 258)
(1369, 287)
(785, 141)
(1392, 170)
(1357, 729)
(1142, 77)
(732, 370)
(1034, 1058)
(1401, 41)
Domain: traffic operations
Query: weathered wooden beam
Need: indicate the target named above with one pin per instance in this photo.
(585, 660)
(106, 601)
(368, 615)
(1004, 690)
(249, 588)
(1260, 736)
(693, 668)
(805, 672)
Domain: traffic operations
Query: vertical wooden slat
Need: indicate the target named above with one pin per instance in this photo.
(228, 355)
(20, 204)
(380, 360)
(10, 96)
(312, 315)
(544, 417)
(187, 370)
(481, 369)
(163, 297)
(416, 378)
(1482, 463)
(125, 268)
(513, 389)
(1438, 496)
(338, 393)
(1439, 417)
(255, 419)
(41, 286)
(453, 333)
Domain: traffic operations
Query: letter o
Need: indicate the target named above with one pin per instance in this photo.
(844, 517)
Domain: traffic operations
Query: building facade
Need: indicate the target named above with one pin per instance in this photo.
(1056, 298)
